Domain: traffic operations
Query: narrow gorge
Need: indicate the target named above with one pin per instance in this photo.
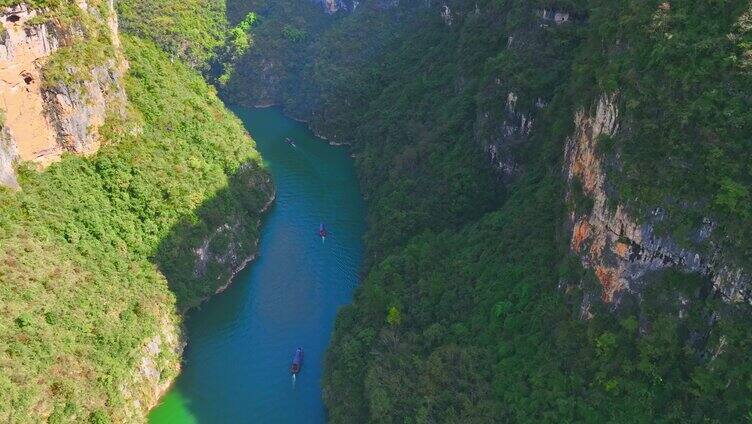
(556, 200)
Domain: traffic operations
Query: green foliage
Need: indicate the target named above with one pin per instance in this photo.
(189, 29)
(501, 309)
(73, 64)
(733, 198)
(393, 317)
(293, 34)
(40, 19)
(87, 42)
(90, 248)
(239, 40)
(236, 45)
(273, 63)
(99, 417)
(492, 305)
(681, 73)
(247, 22)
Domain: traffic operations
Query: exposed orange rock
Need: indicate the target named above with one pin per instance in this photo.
(622, 249)
(601, 226)
(610, 281)
(42, 122)
(586, 165)
(599, 243)
(580, 234)
(24, 52)
(611, 233)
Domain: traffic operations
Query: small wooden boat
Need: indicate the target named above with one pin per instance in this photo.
(322, 231)
(297, 361)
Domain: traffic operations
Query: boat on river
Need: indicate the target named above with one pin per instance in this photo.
(322, 231)
(290, 141)
(297, 361)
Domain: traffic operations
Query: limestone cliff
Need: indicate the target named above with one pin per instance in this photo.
(158, 364)
(509, 106)
(502, 129)
(332, 6)
(621, 249)
(44, 116)
(8, 158)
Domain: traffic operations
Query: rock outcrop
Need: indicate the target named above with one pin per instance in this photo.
(158, 364)
(510, 107)
(233, 255)
(501, 131)
(619, 249)
(76, 111)
(446, 15)
(23, 52)
(333, 6)
(8, 158)
(44, 118)
(555, 16)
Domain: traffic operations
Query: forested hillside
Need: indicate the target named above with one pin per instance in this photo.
(101, 254)
(557, 194)
(559, 200)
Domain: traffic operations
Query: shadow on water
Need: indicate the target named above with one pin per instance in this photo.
(200, 254)
(240, 343)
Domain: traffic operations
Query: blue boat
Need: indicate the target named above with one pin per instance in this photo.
(297, 361)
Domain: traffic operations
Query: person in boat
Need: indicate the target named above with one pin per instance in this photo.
(322, 231)
(297, 361)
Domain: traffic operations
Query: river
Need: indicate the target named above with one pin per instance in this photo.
(241, 342)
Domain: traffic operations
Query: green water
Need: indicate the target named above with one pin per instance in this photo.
(236, 367)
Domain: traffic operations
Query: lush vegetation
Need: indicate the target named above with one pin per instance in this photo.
(190, 30)
(270, 71)
(97, 254)
(85, 38)
(681, 81)
(472, 308)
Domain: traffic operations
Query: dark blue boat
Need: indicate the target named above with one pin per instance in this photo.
(297, 361)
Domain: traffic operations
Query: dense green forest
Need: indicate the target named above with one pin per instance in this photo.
(190, 30)
(683, 81)
(97, 255)
(473, 307)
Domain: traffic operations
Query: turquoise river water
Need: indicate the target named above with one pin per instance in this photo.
(241, 342)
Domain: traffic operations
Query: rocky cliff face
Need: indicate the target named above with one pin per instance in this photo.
(45, 118)
(333, 6)
(509, 106)
(77, 111)
(234, 252)
(621, 250)
(158, 364)
(502, 130)
(8, 158)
